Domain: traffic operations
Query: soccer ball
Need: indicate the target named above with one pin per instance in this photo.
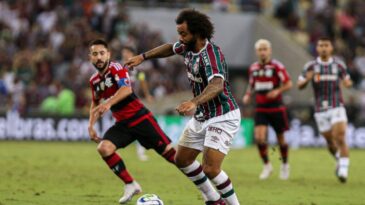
(149, 199)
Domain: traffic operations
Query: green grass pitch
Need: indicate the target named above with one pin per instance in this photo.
(53, 173)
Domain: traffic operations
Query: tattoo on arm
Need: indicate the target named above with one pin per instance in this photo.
(214, 88)
(162, 51)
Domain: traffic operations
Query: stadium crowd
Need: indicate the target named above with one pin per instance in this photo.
(44, 55)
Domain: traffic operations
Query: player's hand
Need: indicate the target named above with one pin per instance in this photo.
(134, 61)
(102, 108)
(186, 108)
(309, 75)
(273, 94)
(93, 135)
(246, 99)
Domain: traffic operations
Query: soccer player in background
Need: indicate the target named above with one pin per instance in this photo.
(111, 90)
(268, 79)
(216, 116)
(126, 53)
(326, 74)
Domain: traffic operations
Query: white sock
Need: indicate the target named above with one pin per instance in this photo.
(225, 188)
(195, 173)
(343, 163)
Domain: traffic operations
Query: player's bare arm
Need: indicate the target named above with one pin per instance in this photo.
(93, 117)
(247, 97)
(213, 89)
(122, 93)
(162, 51)
(302, 82)
(284, 87)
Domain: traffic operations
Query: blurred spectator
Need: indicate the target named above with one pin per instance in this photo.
(46, 41)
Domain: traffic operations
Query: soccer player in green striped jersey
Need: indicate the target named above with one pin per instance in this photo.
(216, 116)
(326, 74)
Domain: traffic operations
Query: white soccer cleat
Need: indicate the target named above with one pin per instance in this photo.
(129, 191)
(266, 172)
(284, 172)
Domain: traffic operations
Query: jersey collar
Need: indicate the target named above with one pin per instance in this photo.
(205, 46)
(330, 60)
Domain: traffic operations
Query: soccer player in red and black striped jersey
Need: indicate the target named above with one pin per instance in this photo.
(326, 75)
(216, 116)
(111, 90)
(268, 80)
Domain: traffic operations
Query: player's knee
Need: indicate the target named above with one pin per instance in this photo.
(182, 162)
(105, 148)
(211, 171)
(259, 139)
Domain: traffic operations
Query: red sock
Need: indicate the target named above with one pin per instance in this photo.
(284, 153)
(263, 152)
(116, 164)
(170, 155)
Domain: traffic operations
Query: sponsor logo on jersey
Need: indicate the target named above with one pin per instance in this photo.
(108, 82)
(259, 86)
(195, 79)
(318, 77)
(268, 73)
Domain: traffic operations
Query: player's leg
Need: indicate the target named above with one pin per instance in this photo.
(212, 162)
(279, 121)
(339, 132)
(324, 126)
(218, 138)
(118, 137)
(190, 145)
(262, 146)
(150, 135)
(331, 143)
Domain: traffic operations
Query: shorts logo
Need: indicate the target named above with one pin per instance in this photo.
(214, 139)
(215, 129)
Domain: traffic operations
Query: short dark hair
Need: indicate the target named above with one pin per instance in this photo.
(325, 38)
(130, 48)
(99, 42)
(197, 22)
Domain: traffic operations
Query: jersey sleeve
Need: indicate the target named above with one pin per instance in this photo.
(94, 94)
(120, 75)
(179, 48)
(282, 73)
(213, 63)
(343, 71)
(307, 67)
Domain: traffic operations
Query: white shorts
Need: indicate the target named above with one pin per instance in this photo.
(326, 119)
(216, 133)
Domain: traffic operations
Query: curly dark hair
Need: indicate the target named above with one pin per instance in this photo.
(197, 22)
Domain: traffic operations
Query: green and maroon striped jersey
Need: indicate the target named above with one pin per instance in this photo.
(326, 82)
(201, 67)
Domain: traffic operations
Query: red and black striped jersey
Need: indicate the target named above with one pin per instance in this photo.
(105, 86)
(264, 78)
(326, 82)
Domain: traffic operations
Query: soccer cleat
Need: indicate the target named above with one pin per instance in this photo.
(266, 172)
(284, 172)
(129, 191)
(342, 174)
(218, 202)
